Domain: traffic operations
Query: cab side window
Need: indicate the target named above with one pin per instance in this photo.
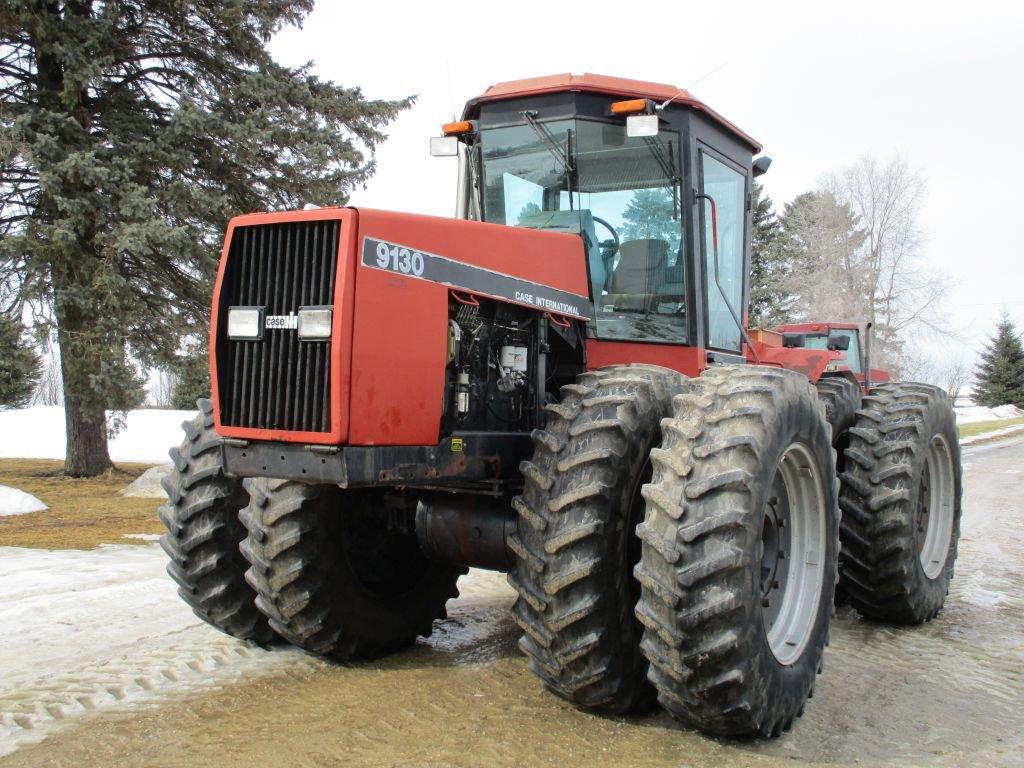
(728, 189)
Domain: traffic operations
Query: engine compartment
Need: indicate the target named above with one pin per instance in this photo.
(503, 365)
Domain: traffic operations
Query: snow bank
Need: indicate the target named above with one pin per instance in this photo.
(981, 413)
(38, 433)
(1007, 412)
(15, 502)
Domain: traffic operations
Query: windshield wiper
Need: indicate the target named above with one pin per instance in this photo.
(561, 155)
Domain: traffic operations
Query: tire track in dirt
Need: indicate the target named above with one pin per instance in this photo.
(84, 633)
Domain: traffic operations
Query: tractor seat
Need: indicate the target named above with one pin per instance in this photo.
(639, 274)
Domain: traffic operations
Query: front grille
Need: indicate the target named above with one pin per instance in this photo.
(277, 382)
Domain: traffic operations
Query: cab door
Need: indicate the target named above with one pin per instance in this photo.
(726, 184)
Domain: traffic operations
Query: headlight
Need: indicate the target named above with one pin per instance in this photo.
(245, 323)
(315, 323)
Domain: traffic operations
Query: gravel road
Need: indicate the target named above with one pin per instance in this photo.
(101, 664)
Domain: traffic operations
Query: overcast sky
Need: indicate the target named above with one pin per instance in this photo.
(817, 83)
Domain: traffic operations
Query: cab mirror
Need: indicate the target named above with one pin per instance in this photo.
(839, 341)
(761, 165)
(641, 125)
(444, 146)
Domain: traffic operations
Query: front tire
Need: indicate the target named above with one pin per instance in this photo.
(740, 542)
(901, 504)
(338, 572)
(576, 543)
(203, 534)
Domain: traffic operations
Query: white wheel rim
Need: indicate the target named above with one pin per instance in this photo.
(790, 607)
(934, 513)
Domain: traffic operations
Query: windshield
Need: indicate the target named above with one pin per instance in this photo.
(620, 193)
(852, 354)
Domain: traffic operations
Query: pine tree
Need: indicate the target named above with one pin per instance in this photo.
(129, 133)
(650, 214)
(1000, 375)
(191, 378)
(19, 364)
(770, 299)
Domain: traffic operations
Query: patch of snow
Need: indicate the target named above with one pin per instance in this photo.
(147, 485)
(38, 433)
(985, 598)
(982, 413)
(142, 536)
(15, 502)
(1007, 412)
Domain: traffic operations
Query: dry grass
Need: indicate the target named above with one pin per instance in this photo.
(82, 514)
(981, 427)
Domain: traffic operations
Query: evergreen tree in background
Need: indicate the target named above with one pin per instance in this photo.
(649, 214)
(129, 133)
(770, 299)
(191, 378)
(1000, 375)
(19, 364)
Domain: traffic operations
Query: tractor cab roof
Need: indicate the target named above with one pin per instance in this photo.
(602, 84)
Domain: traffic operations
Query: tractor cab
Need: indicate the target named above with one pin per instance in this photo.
(844, 338)
(648, 177)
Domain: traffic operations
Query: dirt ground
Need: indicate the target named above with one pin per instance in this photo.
(82, 514)
(149, 686)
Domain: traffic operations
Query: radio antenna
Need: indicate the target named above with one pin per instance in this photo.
(451, 92)
(667, 101)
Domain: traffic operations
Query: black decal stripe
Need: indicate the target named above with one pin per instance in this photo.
(466, 277)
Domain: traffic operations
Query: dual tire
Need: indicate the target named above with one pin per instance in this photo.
(336, 573)
(204, 532)
(725, 632)
(901, 503)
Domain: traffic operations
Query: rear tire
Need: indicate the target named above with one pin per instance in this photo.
(901, 504)
(203, 534)
(842, 399)
(734, 630)
(576, 544)
(333, 577)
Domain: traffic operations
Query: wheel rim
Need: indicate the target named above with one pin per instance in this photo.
(793, 553)
(934, 518)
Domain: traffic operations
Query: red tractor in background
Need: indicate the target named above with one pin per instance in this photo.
(557, 383)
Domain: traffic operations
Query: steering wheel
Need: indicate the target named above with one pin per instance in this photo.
(605, 245)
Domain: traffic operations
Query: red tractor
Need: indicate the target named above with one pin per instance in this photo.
(557, 383)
